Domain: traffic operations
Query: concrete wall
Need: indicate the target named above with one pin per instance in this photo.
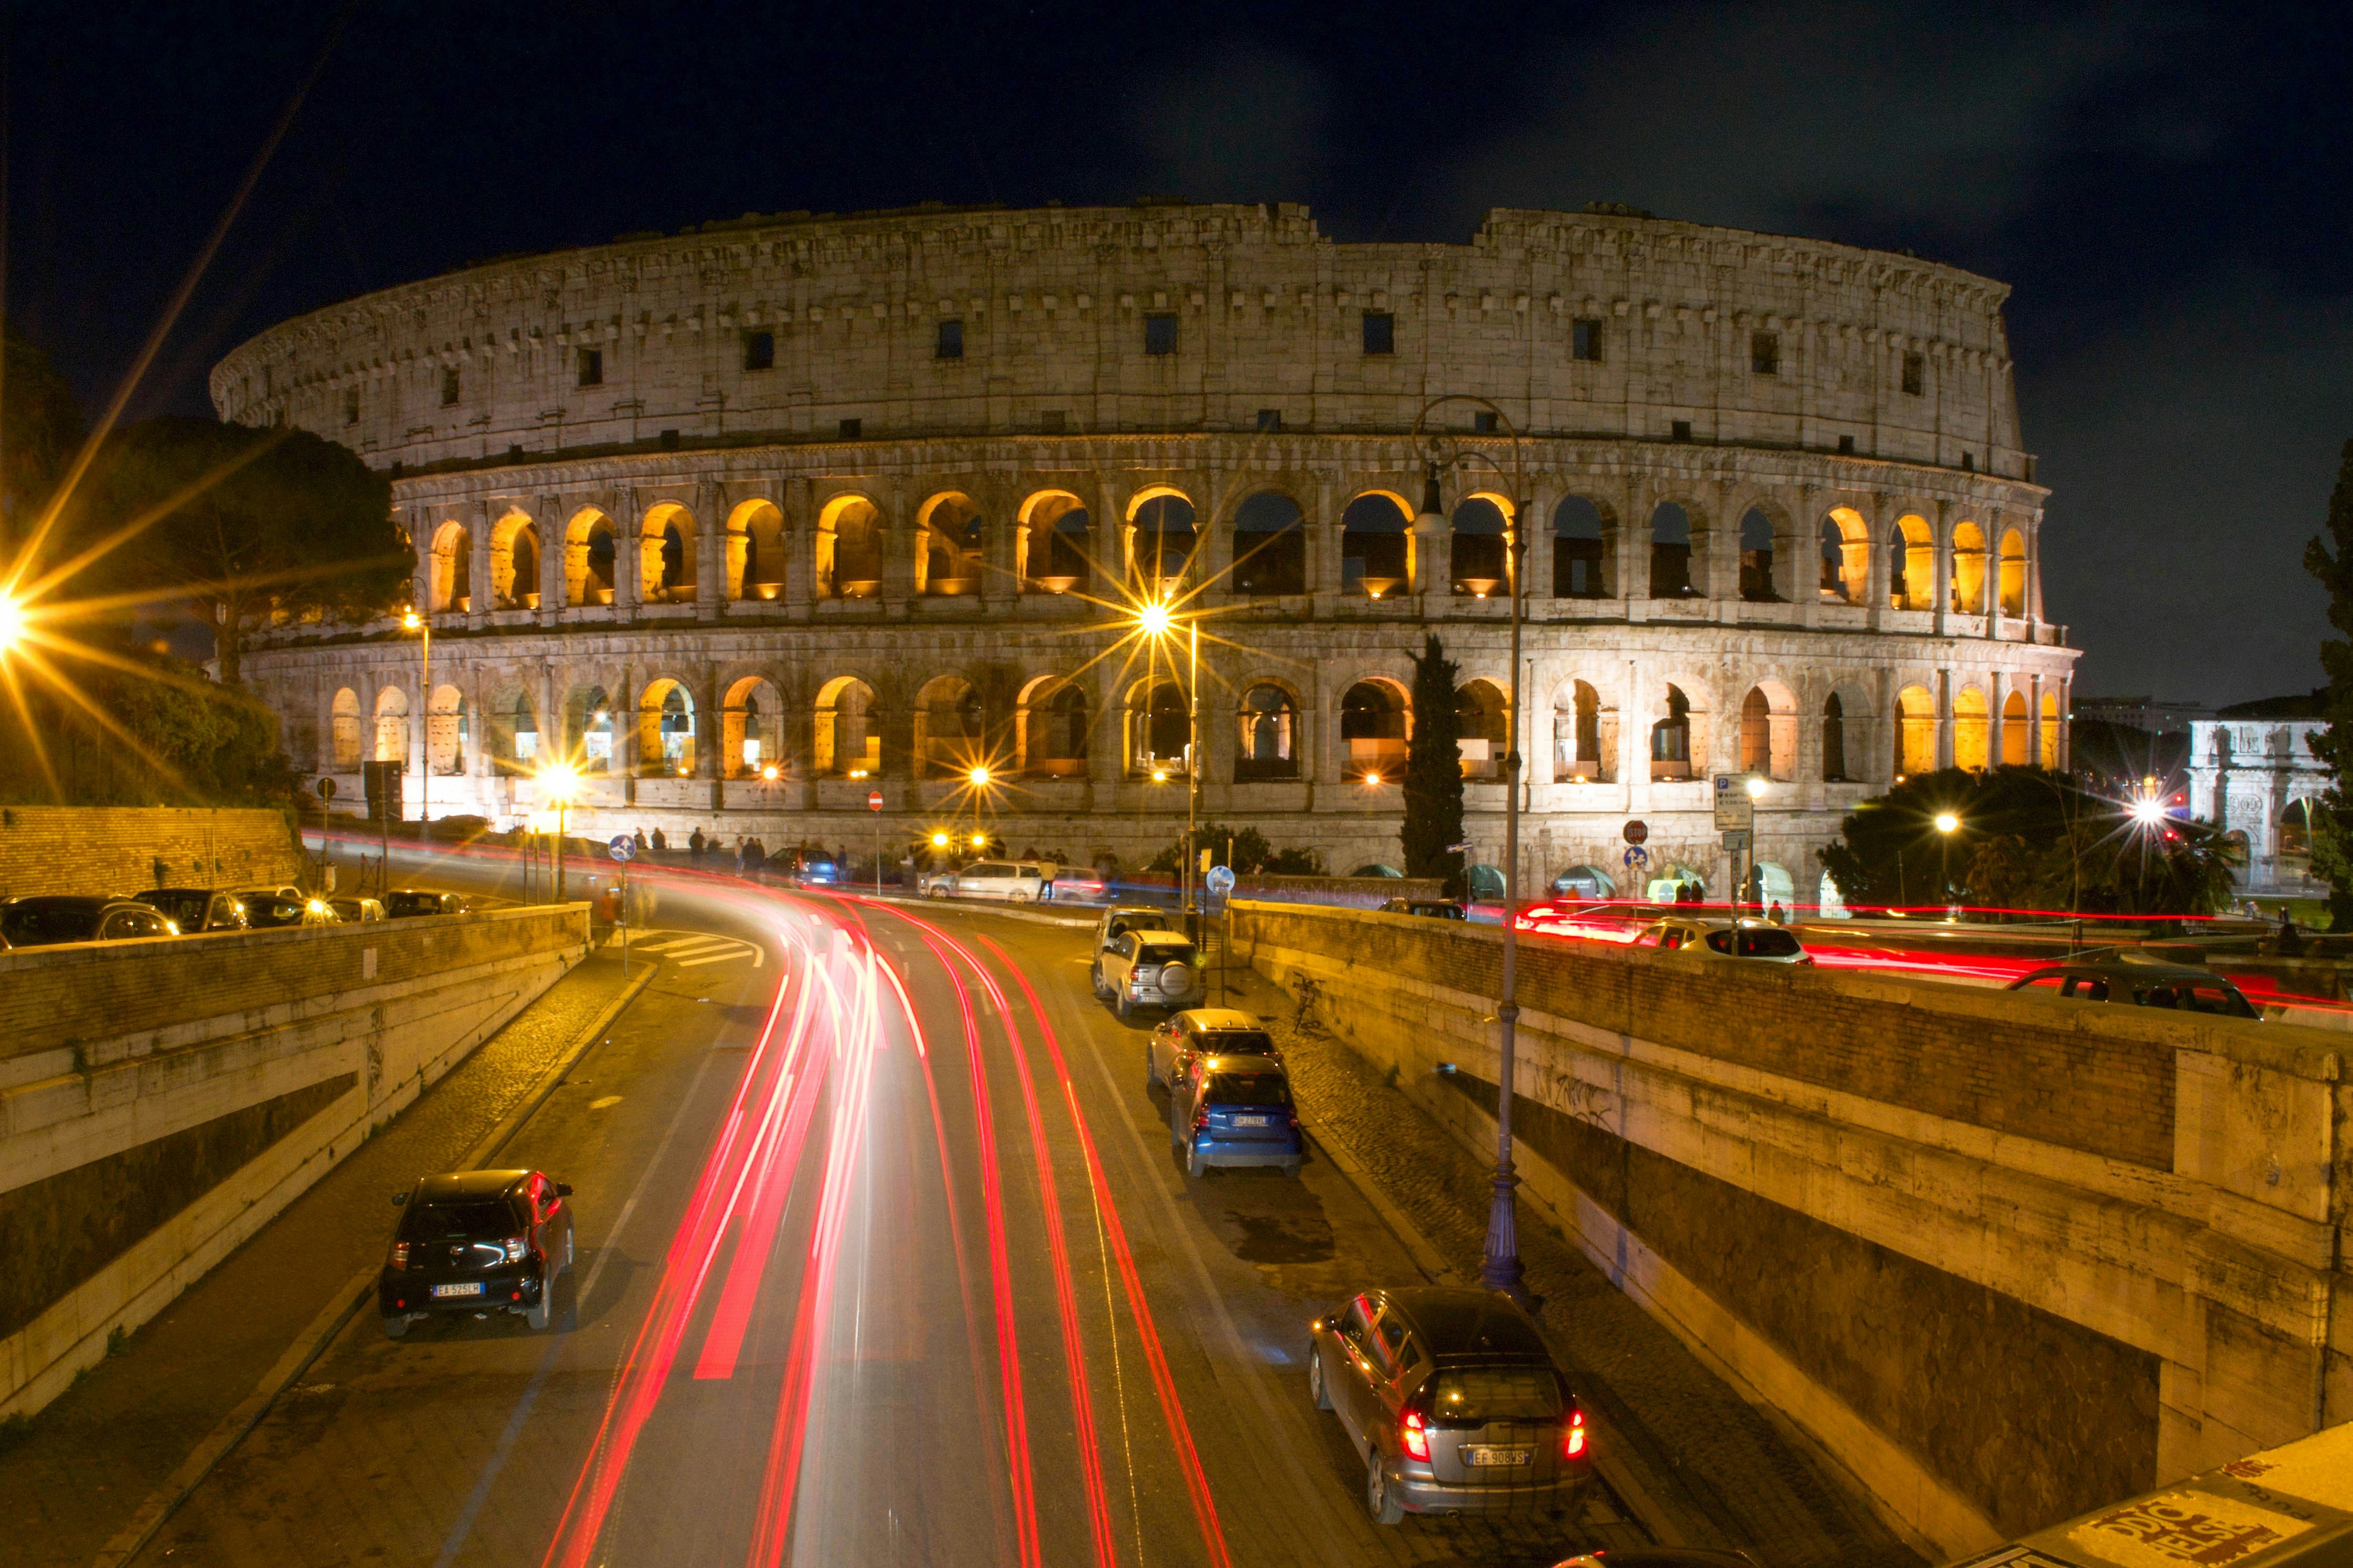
(112, 849)
(160, 1101)
(2006, 1257)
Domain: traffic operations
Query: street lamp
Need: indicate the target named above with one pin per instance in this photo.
(557, 781)
(1945, 824)
(413, 622)
(12, 622)
(1499, 1266)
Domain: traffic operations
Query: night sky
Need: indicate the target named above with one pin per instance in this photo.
(2164, 187)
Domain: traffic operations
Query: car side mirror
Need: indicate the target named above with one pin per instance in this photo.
(562, 1189)
(400, 1200)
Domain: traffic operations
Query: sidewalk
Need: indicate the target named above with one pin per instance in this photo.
(1742, 1480)
(74, 1475)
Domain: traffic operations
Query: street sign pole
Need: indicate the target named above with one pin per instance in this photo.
(874, 805)
(623, 848)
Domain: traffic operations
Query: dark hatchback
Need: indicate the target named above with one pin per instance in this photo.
(1453, 1402)
(46, 919)
(197, 911)
(476, 1241)
(405, 903)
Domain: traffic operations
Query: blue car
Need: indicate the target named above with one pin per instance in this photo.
(1235, 1111)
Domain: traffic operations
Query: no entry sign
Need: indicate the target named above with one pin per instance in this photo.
(873, 800)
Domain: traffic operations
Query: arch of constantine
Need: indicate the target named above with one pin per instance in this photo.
(755, 520)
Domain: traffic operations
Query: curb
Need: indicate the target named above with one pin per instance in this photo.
(332, 1318)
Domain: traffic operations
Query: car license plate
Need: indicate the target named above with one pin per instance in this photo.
(1253, 1121)
(1488, 1459)
(471, 1288)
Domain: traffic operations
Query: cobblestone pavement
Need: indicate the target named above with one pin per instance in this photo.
(1738, 1470)
(74, 1475)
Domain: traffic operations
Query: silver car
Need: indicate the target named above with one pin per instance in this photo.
(1753, 939)
(1148, 969)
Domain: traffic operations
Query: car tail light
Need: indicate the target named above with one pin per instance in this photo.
(1294, 1122)
(400, 1254)
(514, 1246)
(1200, 1120)
(1572, 1443)
(1413, 1436)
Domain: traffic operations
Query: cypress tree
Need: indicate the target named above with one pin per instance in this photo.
(1433, 770)
(2332, 836)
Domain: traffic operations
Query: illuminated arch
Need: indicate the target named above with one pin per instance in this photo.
(2050, 758)
(391, 725)
(1845, 541)
(1912, 564)
(2014, 744)
(849, 549)
(1916, 730)
(589, 547)
(666, 555)
(1482, 718)
(1162, 537)
(1053, 719)
(2013, 572)
(1584, 735)
(445, 732)
(1159, 729)
(950, 547)
(1375, 722)
(1769, 731)
(1376, 546)
(1476, 555)
(755, 552)
(450, 585)
(1266, 733)
(343, 731)
(951, 728)
(1053, 543)
(666, 729)
(847, 744)
(752, 729)
(515, 562)
(1969, 595)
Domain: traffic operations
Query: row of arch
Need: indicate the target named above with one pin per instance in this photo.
(1055, 546)
(1054, 725)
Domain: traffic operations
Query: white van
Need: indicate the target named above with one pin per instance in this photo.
(1007, 881)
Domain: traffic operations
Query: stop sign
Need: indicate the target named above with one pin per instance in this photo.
(874, 800)
(1637, 831)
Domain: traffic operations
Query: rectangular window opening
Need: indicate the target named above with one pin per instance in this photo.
(1270, 419)
(852, 430)
(1585, 339)
(759, 351)
(1915, 373)
(1160, 333)
(1380, 333)
(351, 406)
(449, 387)
(949, 344)
(1846, 445)
(1968, 462)
(1682, 430)
(591, 367)
(1054, 421)
(1765, 353)
(1484, 422)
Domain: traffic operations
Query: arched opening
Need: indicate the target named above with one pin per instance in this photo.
(1582, 556)
(2013, 573)
(850, 549)
(1266, 745)
(1373, 721)
(1668, 881)
(2050, 758)
(1054, 543)
(1769, 884)
(1972, 739)
(588, 558)
(1478, 553)
(1968, 570)
(451, 586)
(1269, 545)
(588, 714)
(950, 730)
(1158, 730)
(1054, 726)
(516, 727)
(1915, 727)
(1373, 556)
(1845, 541)
(1768, 732)
(1584, 736)
(759, 574)
(1480, 717)
(847, 742)
(750, 731)
(666, 555)
(515, 562)
(2014, 744)
(1585, 882)
(391, 725)
(953, 547)
(1678, 745)
(1834, 739)
(1756, 557)
(2295, 830)
(343, 731)
(1162, 540)
(1912, 566)
(1672, 555)
(444, 732)
(665, 730)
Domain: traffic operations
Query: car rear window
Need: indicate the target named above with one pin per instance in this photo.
(1237, 1043)
(35, 926)
(1770, 942)
(1246, 1088)
(413, 903)
(1171, 953)
(458, 1217)
(2219, 1000)
(1478, 1395)
(188, 909)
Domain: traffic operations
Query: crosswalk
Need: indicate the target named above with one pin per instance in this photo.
(695, 949)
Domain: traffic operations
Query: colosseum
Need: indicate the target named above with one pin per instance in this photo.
(783, 514)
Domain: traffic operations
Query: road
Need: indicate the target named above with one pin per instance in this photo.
(883, 1258)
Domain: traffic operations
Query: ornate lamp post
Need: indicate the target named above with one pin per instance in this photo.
(557, 782)
(413, 622)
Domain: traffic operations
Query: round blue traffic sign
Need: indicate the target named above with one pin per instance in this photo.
(623, 847)
(1218, 879)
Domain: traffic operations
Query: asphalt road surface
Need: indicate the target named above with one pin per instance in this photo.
(883, 1258)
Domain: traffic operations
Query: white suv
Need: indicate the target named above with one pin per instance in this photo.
(1148, 969)
(1008, 881)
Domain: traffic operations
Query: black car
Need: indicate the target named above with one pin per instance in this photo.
(1453, 1401)
(476, 1241)
(1428, 908)
(402, 903)
(46, 920)
(267, 912)
(2138, 981)
(197, 911)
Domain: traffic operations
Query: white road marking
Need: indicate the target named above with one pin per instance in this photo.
(604, 1102)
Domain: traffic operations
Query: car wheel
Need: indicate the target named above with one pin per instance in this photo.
(1123, 1006)
(1195, 1165)
(1379, 1500)
(567, 1249)
(536, 1314)
(1315, 1389)
(1102, 992)
(1150, 1069)
(1291, 1168)
(396, 1326)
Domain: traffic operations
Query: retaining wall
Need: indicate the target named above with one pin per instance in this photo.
(121, 849)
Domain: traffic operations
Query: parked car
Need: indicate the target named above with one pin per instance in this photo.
(1234, 1110)
(806, 868)
(1755, 938)
(354, 911)
(1431, 908)
(2125, 977)
(1453, 1402)
(1121, 919)
(1007, 881)
(476, 1241)
(1203, 1031)
(1078, 884)
(1148, 969)
(267, 912)
(405, 903)
(197, 911)
(46, 919)
(1659, 1557)
(282, 890)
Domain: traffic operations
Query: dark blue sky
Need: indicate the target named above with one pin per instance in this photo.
(2165, 187)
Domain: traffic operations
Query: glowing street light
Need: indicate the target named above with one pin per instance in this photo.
(980, 777)
(558, 782)
(1155, 618)
(410, 621)
(12, 622)
(1756, 787)
(1946, 822)
(939, 841)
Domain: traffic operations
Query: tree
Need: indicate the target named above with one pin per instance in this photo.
(257, 524)
(1250, 850)
(2332, 825)
(1433, 770)
(40, 428)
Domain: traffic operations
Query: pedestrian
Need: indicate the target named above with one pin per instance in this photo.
(1777, 915)
(642, 845)
(661, 844)
(694, 850)
(741, 845)
(755, 858)
(2291, 940)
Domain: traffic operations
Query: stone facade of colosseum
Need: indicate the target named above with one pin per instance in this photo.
(762, 518)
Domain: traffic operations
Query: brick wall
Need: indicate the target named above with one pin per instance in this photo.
(115, 850)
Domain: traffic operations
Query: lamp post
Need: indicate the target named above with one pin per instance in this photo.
(556, 783)
(1756, 788)
(412, 621)
(1945, 825)
(1499, 1265)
